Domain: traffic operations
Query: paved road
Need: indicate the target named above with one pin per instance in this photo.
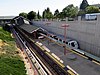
(79, 64)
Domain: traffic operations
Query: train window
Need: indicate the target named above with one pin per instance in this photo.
(60, 40)
(63, 41)
(66, 42)
(50, 36)
(56, 38)
(73, 44)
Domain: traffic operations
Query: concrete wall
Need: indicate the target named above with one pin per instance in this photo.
(87, 33)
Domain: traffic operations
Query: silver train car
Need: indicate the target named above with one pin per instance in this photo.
(72, 44)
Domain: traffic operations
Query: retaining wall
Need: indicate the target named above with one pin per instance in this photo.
(87, 33)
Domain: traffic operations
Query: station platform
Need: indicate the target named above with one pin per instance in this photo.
(81, 65)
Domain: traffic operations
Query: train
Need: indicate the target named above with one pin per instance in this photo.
(72, 44)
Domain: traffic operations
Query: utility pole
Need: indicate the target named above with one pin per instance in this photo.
(65, 29)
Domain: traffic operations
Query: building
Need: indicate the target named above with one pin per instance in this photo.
(4, 19)
(26, 26)
(97, 5)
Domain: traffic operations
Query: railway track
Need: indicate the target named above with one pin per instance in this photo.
(31, 56)
(53, 67)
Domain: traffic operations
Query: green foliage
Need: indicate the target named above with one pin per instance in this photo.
(43, 14)
(81, 13)
(70, 11)
(92, 9)
(61, 15)
(5, 35)
(47, 14)
(31, 15)
(23, 14)
(10, 66)
(56, 13)
(84, 4)
(48, 10)
(38, 15)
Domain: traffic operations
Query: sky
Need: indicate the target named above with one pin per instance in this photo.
(14, 7)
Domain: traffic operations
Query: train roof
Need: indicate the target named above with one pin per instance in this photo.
(58, 36)
(29, 28)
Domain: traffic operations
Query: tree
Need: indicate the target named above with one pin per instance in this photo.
(56, 13)
(23, 14)
(31, 15)
(80, 13)
(38, 15)
(48, 10)
(47, 14)
(83, 5)
(44, 14)
(92, 9)
(70, 11)
(61, 15)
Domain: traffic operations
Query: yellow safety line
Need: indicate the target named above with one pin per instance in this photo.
(72, 50)
(77, 53)
(62, 66)
(96, 62)
(70, 72)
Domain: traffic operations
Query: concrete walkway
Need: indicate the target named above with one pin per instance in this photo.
(76, 62)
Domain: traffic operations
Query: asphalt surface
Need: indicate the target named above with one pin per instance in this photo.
(81, 65)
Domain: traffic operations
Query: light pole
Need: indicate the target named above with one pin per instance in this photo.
(65, 29)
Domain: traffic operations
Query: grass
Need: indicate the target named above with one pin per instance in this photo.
(5, 35)
(11, 66)
(10, 61)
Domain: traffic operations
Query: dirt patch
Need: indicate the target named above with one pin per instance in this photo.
(1, 43)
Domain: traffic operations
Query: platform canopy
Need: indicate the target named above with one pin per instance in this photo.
(30, 28)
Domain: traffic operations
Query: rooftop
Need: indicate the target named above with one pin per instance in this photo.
(29, 28)
(7, 17)
(98, 5)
